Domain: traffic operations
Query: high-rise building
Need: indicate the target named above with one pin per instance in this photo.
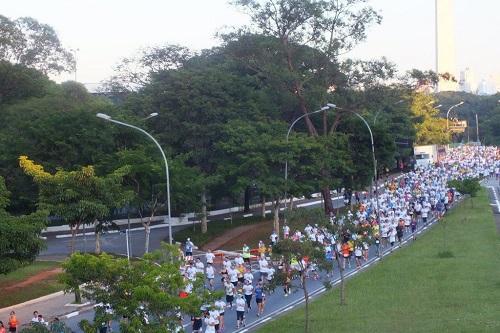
(467, 81)
(445, 45)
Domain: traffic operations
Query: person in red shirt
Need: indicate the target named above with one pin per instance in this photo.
(2, 327)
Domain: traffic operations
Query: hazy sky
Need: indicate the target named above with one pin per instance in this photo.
(106, 30)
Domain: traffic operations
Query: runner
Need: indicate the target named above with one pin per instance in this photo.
(13, 323)
(210, 274)
(240, 311)
(189, 249)
(260, 299)
(209, 257)
(229, 289)
(248, 292)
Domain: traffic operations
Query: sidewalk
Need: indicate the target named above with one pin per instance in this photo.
(50, 306)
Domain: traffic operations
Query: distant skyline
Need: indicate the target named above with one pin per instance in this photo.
(105, 31)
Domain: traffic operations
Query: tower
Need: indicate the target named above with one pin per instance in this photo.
(445, 44)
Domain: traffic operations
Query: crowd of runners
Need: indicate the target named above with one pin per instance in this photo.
(407, 202)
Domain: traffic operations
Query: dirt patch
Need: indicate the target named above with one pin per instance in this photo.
(39, 277)
(235, 238)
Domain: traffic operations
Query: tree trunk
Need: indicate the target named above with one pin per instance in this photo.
(263, 207)
(73, 235)
(74, 231)
(147, 231)
(204, 220)
(246, 204)
(97, 241)
(78, 295)
(327, 200)
(276, 215)
(306, 297)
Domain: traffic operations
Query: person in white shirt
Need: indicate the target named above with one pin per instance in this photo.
(229, 289)
(248, 292)
(274, 238)
(248, 276)
(240, 311)
(233, 276)
(211, 322)
(220, 308)
(286, 231)
(263, 266)
(200, 268)
(238, 260)
(210, 273)
(209, 256)
(191, 272)
(34, 320)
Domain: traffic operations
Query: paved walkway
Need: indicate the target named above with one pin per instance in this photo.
(50, 306)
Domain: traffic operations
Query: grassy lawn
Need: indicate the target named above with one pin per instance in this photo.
(215, 228)
(414, 290)
(16, 288)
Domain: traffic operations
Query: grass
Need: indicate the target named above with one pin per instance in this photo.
(11, 296)
(215, 229)
(425, 287)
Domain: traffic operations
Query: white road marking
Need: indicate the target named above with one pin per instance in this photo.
(496, 197)
(72, 314)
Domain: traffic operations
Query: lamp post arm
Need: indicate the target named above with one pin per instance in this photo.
(166, 169)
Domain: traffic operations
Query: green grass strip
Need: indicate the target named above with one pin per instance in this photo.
(417, 290)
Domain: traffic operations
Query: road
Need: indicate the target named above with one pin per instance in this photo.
(276, 303)
(59, 248)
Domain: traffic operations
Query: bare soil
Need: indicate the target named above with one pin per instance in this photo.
(35, 279)
(235, 238)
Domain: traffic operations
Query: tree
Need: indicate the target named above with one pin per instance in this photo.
(146, 288)
(59, 128)
(135, 72)
(430, 129)
(146, 179)
(20, 235)
(253, 154)
(27, 42)
(78, 197)
(304, 254)
(18, 82)
(468, 186)
(298, 49)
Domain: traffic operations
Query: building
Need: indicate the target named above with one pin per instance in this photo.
(467, 81)
(445, 45)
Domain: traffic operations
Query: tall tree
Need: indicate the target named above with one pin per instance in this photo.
(300, 50)
(78, 197)
(20, 235)
(27, 42)
(430, 128)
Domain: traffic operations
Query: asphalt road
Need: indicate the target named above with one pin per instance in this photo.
(277, 303)
(58, 248)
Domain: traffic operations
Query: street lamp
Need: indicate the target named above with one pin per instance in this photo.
(324, 108)
(373, 150)
(108, 118)
(448, 113)
(74, 56)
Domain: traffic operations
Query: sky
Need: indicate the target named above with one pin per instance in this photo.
(105, 31)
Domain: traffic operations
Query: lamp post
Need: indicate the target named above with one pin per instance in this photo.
(373, 150)
(74, 56)
(324, 108)
(448, 113)
(108, 118)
